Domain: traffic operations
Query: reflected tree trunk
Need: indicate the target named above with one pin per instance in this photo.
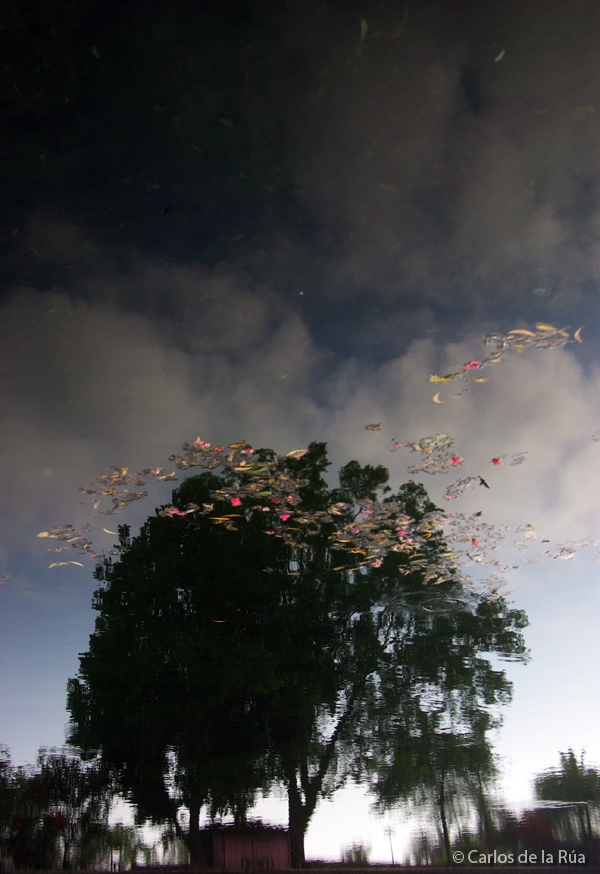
(311, 787)
(442, 802)
(193, 837)
(485, 824)
(297, 822)
(588, 821)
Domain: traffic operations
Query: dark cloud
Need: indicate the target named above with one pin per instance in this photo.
(433, 171)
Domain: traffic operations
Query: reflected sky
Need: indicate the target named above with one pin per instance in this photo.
(273, 222)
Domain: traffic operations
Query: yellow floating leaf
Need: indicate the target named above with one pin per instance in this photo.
(576, 336)
(296, 453)
(44, 534)
(524, 332)
(542, 326)
(436, 398)
(111, 532)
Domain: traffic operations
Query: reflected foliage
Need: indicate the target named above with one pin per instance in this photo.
(566, 827)
(572, 782)
(55, 814)
(554, 831)
(226, 662)
(438, 770)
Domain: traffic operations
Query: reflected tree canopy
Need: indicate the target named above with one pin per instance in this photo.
(571, 782)
(226, 662)
(54, 814)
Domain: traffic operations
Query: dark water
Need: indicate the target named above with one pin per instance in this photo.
(364, 235)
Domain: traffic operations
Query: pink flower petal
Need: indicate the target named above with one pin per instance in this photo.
(284, 517)
(236, 502)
